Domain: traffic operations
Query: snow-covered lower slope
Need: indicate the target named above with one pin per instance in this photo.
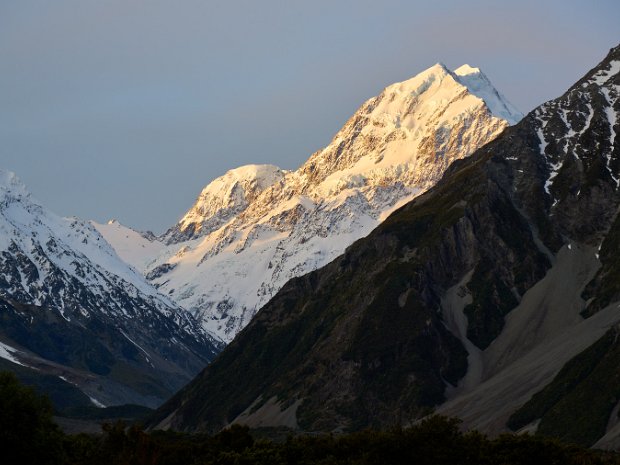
(67, 299)
(133, 247)
(256, 227)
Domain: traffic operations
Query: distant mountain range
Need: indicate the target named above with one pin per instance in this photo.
(494, 296)
(441, 254)
(256, 227)
(78, 321)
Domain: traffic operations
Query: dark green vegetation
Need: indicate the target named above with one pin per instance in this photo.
(62, 394)
(27, 433)
(435, 441)
(577, 405)
(28, 436)
(67, 400)
(128, 411)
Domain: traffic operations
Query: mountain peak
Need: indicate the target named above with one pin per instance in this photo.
(450, 82)
(465, 70)
(6, 177)
(256, 226)
(473, 293)
(10, 183)
(438, 67)
(232, 190)
(421, 82)
(224, 198)
(428, 113)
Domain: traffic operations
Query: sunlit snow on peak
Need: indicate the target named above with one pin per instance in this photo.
(464, 77)
(478, 84)
(10, 183)
(465, 69)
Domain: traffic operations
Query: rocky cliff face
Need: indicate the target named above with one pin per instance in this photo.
(256, 227)
(493, 286)
(70, 307)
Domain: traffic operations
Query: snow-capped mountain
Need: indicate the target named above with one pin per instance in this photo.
(493, 297)
(256, 227)
(70, 306)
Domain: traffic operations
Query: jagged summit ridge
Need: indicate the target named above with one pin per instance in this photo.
(243, 239)
(403, 134)
(436, 97)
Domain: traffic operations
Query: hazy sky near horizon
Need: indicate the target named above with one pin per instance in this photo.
(127, 108)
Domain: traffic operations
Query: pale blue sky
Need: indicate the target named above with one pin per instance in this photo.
(127, 108)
